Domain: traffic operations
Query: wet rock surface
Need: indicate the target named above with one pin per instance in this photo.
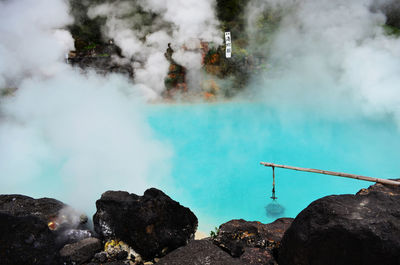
(237, 235)
(199, 252)
(26, 240)
(346, 229)
(80, 252)
(152, 224)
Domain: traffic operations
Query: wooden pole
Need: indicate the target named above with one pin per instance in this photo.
(345, 175)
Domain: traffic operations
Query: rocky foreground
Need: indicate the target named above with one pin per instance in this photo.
(131, 229)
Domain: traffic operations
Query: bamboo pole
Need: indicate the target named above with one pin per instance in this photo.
(338, 174)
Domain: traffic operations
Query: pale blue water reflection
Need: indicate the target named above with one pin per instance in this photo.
(218, 147)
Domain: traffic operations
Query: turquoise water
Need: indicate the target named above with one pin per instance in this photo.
(218, 147)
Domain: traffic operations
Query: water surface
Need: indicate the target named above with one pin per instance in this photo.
(218, 147)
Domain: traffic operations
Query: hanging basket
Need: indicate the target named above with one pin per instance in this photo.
(274, 209)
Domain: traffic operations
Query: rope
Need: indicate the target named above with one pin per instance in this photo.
(273, 184)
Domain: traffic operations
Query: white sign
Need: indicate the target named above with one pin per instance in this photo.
(228, 44)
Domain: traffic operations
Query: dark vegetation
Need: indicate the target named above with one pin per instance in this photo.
(85, 31)
(226, 76)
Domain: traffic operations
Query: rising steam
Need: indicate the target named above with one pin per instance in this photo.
(330, 56)
(143, 30)
(91, 131)
(88, 130)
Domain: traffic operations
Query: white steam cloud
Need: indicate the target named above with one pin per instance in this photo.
(90, 131)
(28, 29)
(331, 56)
(183, 23)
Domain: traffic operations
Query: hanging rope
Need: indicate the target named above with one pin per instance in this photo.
(273, 184)
(274, 209)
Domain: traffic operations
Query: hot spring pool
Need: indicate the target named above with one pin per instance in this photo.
(217, 149)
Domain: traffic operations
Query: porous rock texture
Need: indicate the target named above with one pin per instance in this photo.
(26, 240)
(33, 230)
(346, 229)
(152, 224)
(80, 252)
(253, 242)
(236, 235)
(20, 205)
(199, 252)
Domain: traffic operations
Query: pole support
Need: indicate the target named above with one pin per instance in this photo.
(332, 173)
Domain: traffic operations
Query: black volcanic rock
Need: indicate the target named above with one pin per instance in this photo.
(199, 252)
(26, 240)
(102, 65)
(19, 205)
(257, 256)
(346, 229)
(237, 235)
(152, 224)
(80, 252)
(69, 225)
(33, 230)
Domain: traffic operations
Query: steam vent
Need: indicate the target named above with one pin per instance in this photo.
(204, 132)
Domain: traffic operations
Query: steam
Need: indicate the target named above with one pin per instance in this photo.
(27, 31)
(330, 56)
(90, 131)
(143, 30)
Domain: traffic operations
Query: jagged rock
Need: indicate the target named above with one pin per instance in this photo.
(237, 235)
(257, 256)
(68, 224)
(69, 236)
(19, 205)
(199, 252)
(46, 209)
(100, 257)
(102, 65)
(26, 240)
(108, 263)
(115, 249)
(152, 224)
(346, 229)
(80, 252)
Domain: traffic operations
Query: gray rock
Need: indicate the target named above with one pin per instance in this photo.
(237, 235)
(100, 257)
(257, 256)
(108, 263)
(82, 251)
(69, 236)
(199, 252)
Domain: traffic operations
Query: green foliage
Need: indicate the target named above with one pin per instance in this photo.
(390, 30)
(214, 234)
(85, 31)
(9, 91)
(90, 47)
